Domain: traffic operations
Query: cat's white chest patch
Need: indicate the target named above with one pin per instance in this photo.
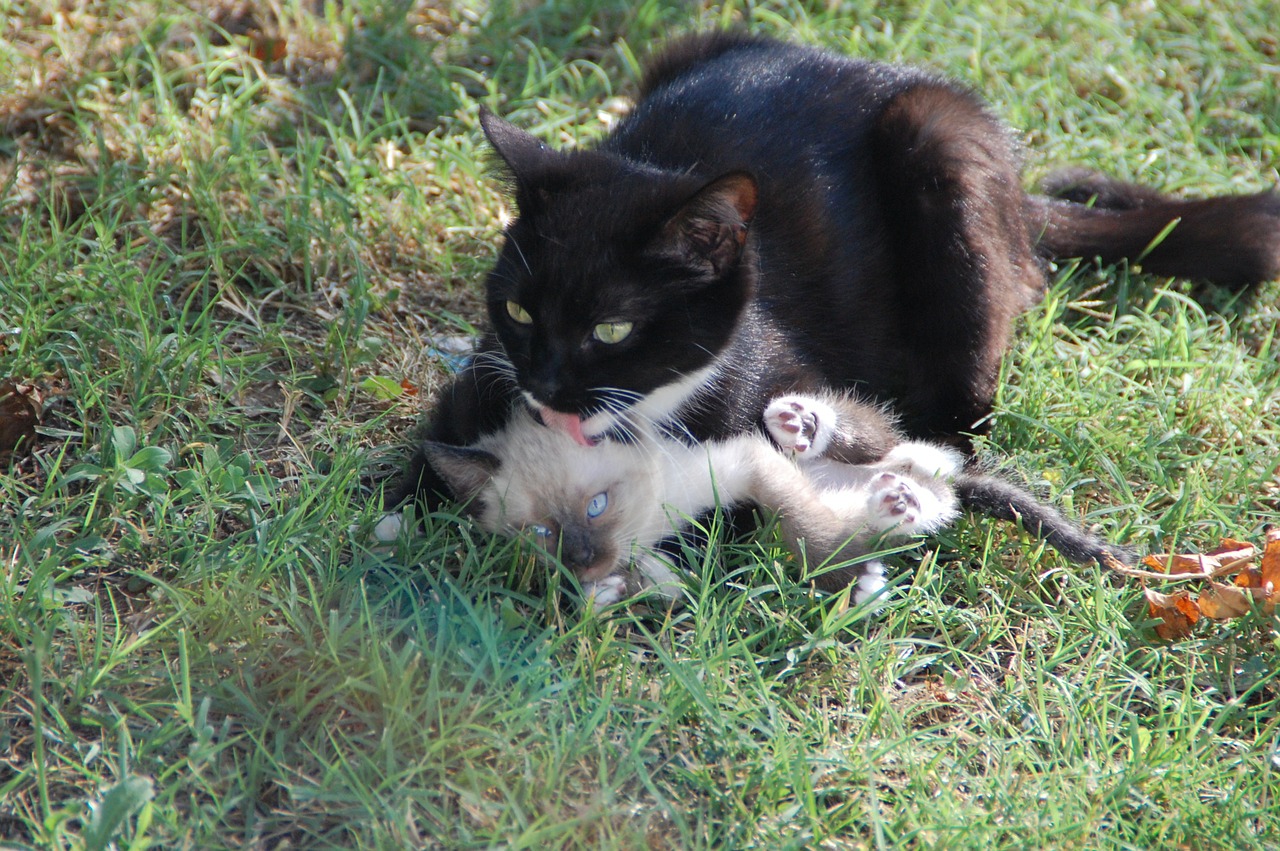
(658, 408)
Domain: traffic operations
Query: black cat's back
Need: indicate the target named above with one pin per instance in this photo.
(891, 245)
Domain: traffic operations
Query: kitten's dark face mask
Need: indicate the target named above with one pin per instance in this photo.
(614, 291)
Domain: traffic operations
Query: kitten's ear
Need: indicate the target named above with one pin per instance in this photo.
(466, 470)
(710, 229)
(524, 153)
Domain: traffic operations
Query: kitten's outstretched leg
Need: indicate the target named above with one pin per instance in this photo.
(914, 494)
(385, 532)
(653, 571)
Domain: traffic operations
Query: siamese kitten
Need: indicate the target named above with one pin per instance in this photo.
(604, 510)
(771, 218)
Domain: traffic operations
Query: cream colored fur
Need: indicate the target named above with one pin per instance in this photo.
(531, 479)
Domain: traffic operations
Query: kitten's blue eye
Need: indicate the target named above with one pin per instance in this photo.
(541, 531)
(518, 313)
(597, 505)
(612, 332)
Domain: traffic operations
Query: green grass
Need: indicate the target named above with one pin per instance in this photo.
(225, 276)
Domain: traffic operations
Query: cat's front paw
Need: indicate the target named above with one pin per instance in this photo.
(800, 425)
(607, 591)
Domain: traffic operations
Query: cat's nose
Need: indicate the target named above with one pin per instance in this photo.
(576, 551)
(543, 377)
(542, 387)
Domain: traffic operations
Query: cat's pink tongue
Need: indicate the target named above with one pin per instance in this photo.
(570, 424)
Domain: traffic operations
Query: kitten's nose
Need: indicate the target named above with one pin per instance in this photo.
(576, 551)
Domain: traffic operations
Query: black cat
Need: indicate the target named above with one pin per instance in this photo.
(774, 219)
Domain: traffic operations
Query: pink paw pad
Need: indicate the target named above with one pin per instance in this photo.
(792, 425)
(896, 498)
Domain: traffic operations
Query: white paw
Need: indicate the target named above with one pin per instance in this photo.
(893, 504)
(926, 460)
(800, 425)
(388, 529)
(657, 574)
(607, 591)
(871, 583)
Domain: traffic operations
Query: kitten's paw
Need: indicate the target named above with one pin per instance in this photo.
(800, 425)
(386, 531)
(894, 503)
(925, 460)
(870, 583)
(656, 574)
(607, 591)
(388, 528)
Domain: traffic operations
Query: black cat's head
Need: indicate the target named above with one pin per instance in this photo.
(618, 284)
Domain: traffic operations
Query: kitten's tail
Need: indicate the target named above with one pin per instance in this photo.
(1232, 240)
(997, 498)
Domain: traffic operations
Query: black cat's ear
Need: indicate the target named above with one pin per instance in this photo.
(465, 469)
(525, 154)
(710, 229)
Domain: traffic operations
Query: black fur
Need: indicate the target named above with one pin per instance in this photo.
(802, 220)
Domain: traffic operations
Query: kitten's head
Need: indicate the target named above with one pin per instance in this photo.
(617, 281)
(585, 505)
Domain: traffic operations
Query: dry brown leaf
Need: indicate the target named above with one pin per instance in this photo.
(1252, 584)
(1223, 561)
(20, 406)
(1270, 570)
(1223, 602)
(1261, 583)
(1229, 544)
(1177, 613)
(1250, 577)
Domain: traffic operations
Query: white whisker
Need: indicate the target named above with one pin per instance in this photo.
(520, 253)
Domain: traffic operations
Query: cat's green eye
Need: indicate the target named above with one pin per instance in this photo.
(612, 332)
(518, 313)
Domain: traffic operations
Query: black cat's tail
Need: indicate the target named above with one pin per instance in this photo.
(1232, 240)
(1002, 500)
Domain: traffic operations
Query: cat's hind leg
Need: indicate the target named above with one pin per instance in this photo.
(905, 507)
(924, 460)
(953, 204)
